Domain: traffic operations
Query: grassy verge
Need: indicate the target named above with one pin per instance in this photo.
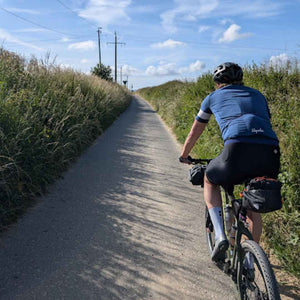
(48, 116)
(281, 87)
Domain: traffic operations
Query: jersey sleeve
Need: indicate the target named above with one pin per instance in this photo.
(204, 113)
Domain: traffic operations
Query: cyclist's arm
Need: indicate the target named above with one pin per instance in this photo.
(192, 138)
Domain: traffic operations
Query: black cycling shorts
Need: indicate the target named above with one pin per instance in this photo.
(241, 161)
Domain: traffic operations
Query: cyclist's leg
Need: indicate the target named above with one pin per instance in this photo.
(213, 200)
(255, 225)
(212, 194)
(254, 221)
(212, 197)
(216, 172)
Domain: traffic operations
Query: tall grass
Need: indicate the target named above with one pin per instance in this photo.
(281, 86)
(48, 116)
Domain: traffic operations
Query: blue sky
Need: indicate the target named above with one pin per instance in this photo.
(165, 40)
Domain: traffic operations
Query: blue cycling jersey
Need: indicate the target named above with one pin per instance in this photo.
(242, 114)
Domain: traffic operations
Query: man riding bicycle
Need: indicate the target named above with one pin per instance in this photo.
(251, 147)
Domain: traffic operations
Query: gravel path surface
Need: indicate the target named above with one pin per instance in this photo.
(123, 223)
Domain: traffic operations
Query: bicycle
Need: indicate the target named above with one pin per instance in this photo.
(257, 282)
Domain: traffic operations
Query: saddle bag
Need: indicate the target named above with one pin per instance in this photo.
(196, 175)
(262, 195)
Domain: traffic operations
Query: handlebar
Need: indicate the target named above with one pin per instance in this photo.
(195, 161)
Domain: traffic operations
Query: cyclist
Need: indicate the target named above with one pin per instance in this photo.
(251, 147)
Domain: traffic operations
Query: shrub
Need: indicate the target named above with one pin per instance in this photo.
(102, 71)
(48, 115)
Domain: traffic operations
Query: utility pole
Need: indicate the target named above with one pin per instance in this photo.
(116, 46)
(99, 45)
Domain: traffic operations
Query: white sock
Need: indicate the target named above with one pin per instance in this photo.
(217, 220)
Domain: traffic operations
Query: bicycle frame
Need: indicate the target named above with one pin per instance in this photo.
(243, 247)
(234, 251)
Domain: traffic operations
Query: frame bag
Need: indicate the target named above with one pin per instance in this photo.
(262, 195)
(196, 175)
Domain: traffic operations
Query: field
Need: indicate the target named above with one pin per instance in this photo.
(48, 116)
(179, 102)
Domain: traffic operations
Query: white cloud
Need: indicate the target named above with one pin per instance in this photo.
(104, 12)
(5, 36)
(279, 61)
(65, 40)
(197, 66)
(168, 69)
(87, 45)
(167, 44)
(189, 18)
(226, 21)
(252, 8)
(85, 61)
(129, 70)
(162, 70)
(232, 34)
(188, 10)
(203, 28)
(202, 9)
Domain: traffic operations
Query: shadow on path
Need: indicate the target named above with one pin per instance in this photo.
(122, 224)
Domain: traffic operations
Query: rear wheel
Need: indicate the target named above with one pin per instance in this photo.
(256, 281)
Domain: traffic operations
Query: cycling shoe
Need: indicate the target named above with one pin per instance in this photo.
(221, 245)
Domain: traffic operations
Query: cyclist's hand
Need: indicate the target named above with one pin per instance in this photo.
(187, 160)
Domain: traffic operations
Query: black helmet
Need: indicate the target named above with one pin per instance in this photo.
(228, 72)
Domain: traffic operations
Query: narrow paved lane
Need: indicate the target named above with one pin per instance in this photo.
(123, 223)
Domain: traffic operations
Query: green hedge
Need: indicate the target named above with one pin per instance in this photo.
(48, 116)
(281, 86)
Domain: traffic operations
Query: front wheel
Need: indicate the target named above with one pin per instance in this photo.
(255, 280)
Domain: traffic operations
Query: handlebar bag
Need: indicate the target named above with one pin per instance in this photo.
(196, 175)
(262, 195)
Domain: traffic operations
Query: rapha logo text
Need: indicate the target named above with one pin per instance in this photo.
(260, 130)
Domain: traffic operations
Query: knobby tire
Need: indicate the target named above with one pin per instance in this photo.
(260, 285)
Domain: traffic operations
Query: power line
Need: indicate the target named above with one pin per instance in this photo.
(77, 38)
(72, 11)
(32, 22)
